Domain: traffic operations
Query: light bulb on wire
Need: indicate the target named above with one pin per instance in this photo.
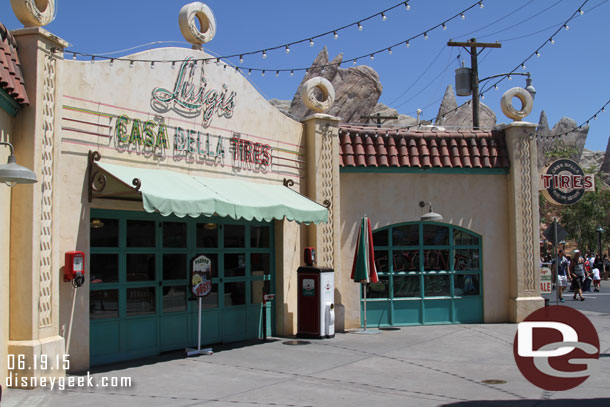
(264, 54)
(311, 42)
(444, 26)
(359, 27)
(241, 59)
(383, 17)
(407, 44)
(390, 51)
(335, 35)
(567, 27)
(481, 5)
(287, 49)
(407, 5)
(426, 35)
(463, 16)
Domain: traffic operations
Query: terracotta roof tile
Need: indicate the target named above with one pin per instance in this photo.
(11, 77)
(413, 154)
(381, 147)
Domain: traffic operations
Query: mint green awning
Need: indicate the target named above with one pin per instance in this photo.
(169, 192)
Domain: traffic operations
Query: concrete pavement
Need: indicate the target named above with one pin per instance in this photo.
(443, 365)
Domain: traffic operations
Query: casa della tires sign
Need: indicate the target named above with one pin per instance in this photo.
(564, 182)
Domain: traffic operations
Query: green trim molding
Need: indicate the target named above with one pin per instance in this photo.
(8, 104)
(434, 170)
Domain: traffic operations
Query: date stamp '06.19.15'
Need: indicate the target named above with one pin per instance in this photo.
(48, 372)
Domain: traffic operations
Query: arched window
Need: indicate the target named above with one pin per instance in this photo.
(429, 273)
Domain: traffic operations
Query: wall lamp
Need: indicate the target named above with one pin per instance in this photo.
(430, 216)
(12, 173)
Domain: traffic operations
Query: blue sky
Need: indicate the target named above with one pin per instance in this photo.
(571, 76)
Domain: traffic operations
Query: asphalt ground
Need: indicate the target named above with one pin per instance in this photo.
(442, 365)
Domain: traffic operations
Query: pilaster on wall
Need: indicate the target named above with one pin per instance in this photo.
(34, 261)
(322, 157)
(523, 220)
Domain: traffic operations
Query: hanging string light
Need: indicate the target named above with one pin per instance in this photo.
(551, 40)
(334, 33)
(585, 123)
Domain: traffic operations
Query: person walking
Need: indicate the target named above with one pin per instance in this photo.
(595, 273)
(577, 273)
(562, 274)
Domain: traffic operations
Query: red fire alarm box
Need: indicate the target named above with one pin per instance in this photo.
(75, 266)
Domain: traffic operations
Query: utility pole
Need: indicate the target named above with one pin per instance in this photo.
(378, 117)
(473, 45)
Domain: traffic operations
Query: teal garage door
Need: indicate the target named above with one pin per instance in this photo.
(140, 304)
(429, 273)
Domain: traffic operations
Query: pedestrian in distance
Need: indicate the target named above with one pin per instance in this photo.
(595, 274)
(577, 273)
(562, 274)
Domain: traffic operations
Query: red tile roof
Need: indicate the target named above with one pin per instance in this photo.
(11, 78)
(362, 146)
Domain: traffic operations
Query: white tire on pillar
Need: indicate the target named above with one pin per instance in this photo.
(188, 25)
(34, 13)
(309, 96)
(527, 103)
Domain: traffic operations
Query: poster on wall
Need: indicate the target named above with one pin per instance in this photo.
(201, 276)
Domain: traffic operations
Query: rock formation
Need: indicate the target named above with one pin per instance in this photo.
(357, 89)
(571, 137)
(450, 115)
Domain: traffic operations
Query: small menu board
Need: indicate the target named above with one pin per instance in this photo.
(201, 276)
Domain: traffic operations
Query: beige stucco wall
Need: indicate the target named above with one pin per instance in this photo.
(475, 202)
(6, 128)
(94, 94)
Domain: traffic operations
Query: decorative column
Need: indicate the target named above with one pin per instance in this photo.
(35, 261)
(524, 219)
(322, 175)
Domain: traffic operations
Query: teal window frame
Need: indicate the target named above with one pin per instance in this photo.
(421, 273)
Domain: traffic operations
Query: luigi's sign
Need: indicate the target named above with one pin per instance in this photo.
(564, 182)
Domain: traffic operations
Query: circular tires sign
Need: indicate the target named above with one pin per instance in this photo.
(565, 183)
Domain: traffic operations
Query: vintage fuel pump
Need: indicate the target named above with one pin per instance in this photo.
(316, 299)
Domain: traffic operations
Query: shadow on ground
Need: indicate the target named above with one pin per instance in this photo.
(172, 355)
(600, 402)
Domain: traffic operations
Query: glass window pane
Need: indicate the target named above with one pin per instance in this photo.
(174, 267)
(436, 235)
(174, 234)
(140, 233)
(256, 290)
(104, 232)
(174, 299)
(260, 237)
(260, 264)
(104, 268)
(406, 235)
(380, 289)
(380, 238)
(235, 235)
(235, 293)
(437, 285)
(141, 301)
(466, 259)
(406, 286)
(436, 259)
(207, 235)
(210, 300)
(382, 261)
(235, 265)
(406, 260)
(464, 238)
(103, 304)
(466, 284)
(141, 267)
